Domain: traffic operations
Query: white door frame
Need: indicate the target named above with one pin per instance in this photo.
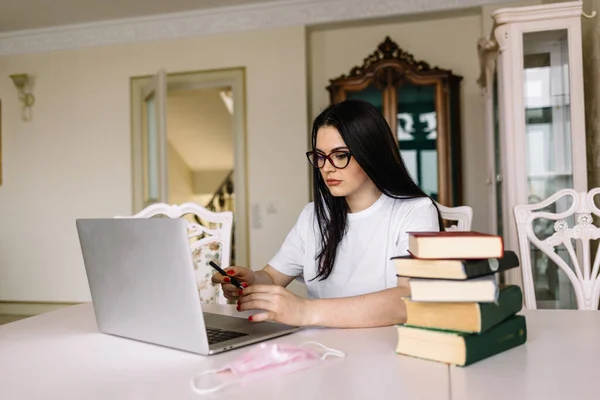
(236, 79)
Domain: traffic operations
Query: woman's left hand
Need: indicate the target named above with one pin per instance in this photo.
(279, 304)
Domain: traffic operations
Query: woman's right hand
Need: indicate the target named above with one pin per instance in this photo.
(245, 275)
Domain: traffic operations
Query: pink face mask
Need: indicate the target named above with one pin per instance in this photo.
(268, 358)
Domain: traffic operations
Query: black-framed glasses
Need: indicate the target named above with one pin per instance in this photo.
(338, 158)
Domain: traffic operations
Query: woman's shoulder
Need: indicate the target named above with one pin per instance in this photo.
(415, 214)
(414, 208)
(413, 203)
(307, 221)
(307, 213)
(308, 209)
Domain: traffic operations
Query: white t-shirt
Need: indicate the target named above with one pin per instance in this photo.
(362, 264)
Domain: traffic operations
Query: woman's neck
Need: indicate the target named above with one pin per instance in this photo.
(364, 199)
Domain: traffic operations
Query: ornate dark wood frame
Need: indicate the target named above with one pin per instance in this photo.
(389, 67)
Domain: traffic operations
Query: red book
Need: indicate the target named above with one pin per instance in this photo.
(454, 245)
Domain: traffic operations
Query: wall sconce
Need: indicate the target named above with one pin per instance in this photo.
(23, 84)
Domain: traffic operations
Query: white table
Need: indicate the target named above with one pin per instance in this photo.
(560, 361)
(62, 355)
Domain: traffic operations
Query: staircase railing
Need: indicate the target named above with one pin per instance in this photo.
(222, 194)
(222, 197)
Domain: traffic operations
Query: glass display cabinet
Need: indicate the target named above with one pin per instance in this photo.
(422, 106)
(536, 126)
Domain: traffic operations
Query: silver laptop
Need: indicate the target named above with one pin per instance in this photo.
(141, 278)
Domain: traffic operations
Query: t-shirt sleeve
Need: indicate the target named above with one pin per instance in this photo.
(289, 260)
(421, 217)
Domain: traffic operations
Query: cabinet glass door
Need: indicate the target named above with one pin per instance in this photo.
(548, 151)
(371, 94)
(417, 134)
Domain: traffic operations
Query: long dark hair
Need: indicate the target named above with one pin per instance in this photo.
(371, 142)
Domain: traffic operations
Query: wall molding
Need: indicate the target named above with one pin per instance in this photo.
(30, 308)
(220, 20)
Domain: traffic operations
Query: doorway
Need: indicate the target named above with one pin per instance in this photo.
(189, 144)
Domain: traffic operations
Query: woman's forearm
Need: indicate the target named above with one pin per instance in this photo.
(370, 310)
(262, 278)
(270, 276)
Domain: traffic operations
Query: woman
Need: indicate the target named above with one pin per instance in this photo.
(365, 203)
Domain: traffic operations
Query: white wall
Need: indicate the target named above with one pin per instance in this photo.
(74, 159)
(208, 180)
(181, 185)
(448, 41)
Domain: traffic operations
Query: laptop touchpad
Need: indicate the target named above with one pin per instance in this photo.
(230, 323)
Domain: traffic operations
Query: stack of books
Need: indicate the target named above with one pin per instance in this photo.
(457, 313)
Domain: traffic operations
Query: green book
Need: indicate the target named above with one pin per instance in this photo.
(460, 348)
(465, 317)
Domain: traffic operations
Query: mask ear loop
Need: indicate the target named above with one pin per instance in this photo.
(329, 351)
(212, 389)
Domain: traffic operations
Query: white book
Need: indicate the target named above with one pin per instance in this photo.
(478, 290)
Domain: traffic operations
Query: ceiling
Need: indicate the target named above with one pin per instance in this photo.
(16, 15)
(33, 26)
(199, 127)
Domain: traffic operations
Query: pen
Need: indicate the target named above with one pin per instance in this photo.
(234, 281)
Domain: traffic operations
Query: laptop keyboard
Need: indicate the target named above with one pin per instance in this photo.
(218, 335)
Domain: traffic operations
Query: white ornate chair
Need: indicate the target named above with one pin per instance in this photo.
(577, 266)
(209, 240)
(463, 215)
